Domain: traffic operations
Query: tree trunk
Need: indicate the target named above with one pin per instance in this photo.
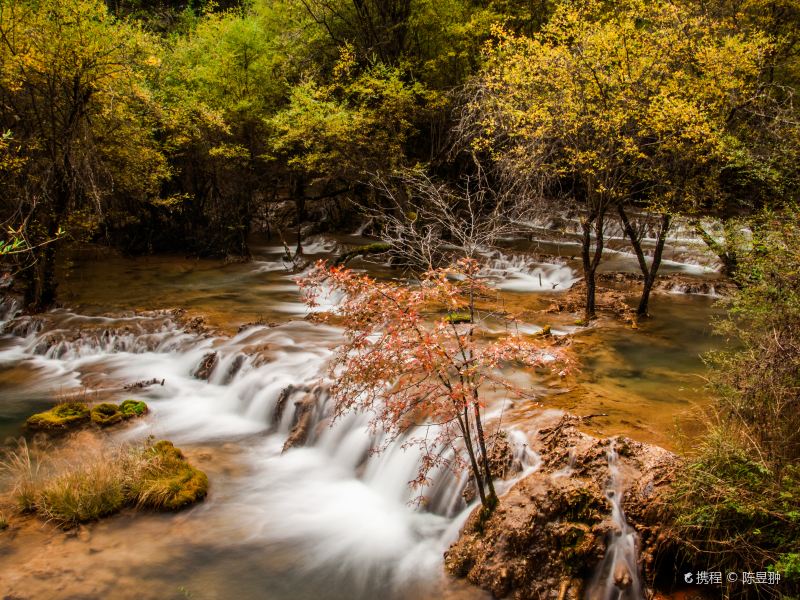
(649, 272)
(591, 259)
(491, 496)
(476, 471)
(40, 292)
(726, 256)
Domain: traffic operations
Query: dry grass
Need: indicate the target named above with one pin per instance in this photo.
(72, 487)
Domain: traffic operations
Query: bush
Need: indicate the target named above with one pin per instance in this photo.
(738, 502)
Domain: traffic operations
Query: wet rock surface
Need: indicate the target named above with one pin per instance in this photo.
(552, 529)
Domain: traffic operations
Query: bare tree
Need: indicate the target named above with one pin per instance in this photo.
(427, 222)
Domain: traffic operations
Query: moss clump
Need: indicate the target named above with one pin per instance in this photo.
(61, 417)
(458, 317)
(133, 408)
(167, 481)
(106, 414)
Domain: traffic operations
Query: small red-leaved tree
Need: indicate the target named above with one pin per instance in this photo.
(413, 359)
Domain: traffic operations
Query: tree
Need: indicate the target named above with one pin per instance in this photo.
(72, 88)
(219, 85)
(613, 107)
(412, 366)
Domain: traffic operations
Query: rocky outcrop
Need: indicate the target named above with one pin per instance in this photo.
(552, 529)
(303, 420)
(206, 366)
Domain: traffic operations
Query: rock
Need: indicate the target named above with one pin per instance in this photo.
(622, 576)
(550, 529)
(206, 366)
(303, 419)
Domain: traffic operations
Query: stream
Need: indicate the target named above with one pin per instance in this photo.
(327, 520)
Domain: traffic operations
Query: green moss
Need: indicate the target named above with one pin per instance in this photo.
(458, 317)
(106, 414)
(169, 482)
(133, 408)
(66, 415)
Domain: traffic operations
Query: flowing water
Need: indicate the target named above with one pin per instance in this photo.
(328, 520)
(617, 577)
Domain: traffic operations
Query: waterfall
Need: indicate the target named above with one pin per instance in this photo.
(334, 503)
(617, 576)
(519, 274)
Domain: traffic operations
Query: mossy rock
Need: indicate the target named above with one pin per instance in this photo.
(106, 414)
(458, 317)
(170, 482)
(133, 408)
(64, 416)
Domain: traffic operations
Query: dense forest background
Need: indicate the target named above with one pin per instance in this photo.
(174, 126)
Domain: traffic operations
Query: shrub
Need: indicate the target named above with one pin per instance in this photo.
(738, 502)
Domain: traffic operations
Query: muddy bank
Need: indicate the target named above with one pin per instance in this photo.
(552, 534)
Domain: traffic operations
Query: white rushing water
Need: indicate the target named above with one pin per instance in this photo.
(520, 274)
(332, 501)
(617, 577)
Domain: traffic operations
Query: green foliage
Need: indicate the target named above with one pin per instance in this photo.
(738, 504)
(356, 125)
(617, 102)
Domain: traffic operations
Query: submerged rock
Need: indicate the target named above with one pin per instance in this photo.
(551, 530)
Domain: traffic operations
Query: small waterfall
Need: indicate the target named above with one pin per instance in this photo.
(617, 576)
(9, 308)
(519, 274)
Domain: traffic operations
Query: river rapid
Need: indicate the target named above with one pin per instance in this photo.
(329, 520)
